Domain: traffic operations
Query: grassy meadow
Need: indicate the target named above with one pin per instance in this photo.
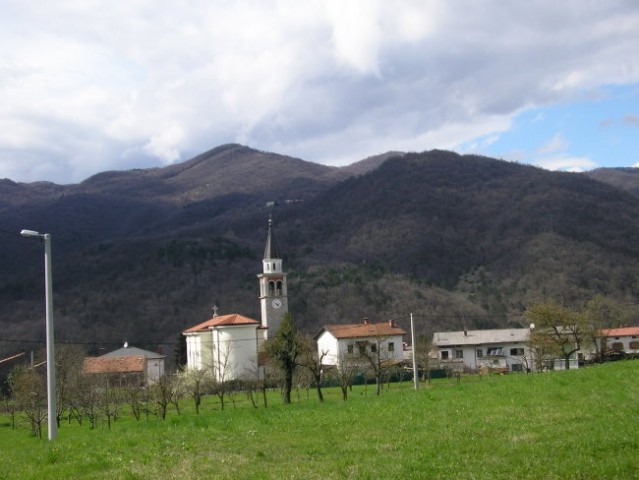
(559, 425)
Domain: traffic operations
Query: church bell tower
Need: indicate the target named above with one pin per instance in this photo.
(273, 292)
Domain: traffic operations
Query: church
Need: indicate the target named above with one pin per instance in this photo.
(229, 345)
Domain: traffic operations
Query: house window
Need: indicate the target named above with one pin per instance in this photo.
(349, 349)
(517, 352)
(480, 353)
(495, 351)
(391, 347)
(634, 345)
(362, 348)
(373, 347)
(618, 346)
(516, 367)
(444, 354)
(459, 353)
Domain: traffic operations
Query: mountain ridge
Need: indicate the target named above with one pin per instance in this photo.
(459, 240)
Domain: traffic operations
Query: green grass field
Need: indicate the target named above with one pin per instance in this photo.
(560, 425)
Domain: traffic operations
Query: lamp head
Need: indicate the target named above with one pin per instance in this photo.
(30, 233)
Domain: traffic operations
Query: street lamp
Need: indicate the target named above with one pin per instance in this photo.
(48, 286)
(412, 339)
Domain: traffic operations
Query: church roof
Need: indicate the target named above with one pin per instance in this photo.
(222, 321)
(271, 250)
(362, 330)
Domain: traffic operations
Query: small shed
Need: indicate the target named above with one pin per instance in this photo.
(128, 364)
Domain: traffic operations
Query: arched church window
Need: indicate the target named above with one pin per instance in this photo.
(271, 288)
(279, 288)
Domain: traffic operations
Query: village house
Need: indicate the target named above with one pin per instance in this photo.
(228, 346)
(499, 350)
(354, 342)
(127, 365)
(503, 350)
(622, 339)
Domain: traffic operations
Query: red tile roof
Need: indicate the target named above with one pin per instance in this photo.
(621, 332)
(222, 321)
(114, 365)
(361, 330)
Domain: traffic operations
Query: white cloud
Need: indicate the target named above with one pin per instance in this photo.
(92, 85)
(566, 163)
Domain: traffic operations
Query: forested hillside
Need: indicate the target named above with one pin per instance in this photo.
(457, 240)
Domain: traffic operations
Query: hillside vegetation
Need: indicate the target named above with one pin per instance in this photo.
(457, 240)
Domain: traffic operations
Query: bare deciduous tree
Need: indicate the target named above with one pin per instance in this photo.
(378, 359)
(284, 349)
(558, 331)
(166, 392)
(311, 360)
(28, 388)
(344, 372)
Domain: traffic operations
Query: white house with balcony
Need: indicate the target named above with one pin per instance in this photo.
(353, 342)
(499, 350)
(503, 350)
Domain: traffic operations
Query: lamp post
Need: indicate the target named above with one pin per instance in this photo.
(48, 286)
(531, 344)
(412, 336)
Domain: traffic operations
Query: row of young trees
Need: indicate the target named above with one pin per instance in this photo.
(293, 362)
(100, 399)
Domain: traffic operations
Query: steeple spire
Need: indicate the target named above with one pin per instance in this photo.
(270, 250)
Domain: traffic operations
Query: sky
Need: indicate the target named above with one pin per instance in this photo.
(90, 85)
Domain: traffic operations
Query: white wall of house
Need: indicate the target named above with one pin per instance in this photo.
(154, 369)
(625, 343)
(228, 352)
(233, 352)
(505, 356)
(503, 350)
(390, 347)
(328, 343)
(196, 355)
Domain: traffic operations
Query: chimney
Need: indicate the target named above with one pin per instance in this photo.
(391, 323)
(465, 332)
(366, 321)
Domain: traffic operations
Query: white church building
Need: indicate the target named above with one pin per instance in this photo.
(228, 345)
